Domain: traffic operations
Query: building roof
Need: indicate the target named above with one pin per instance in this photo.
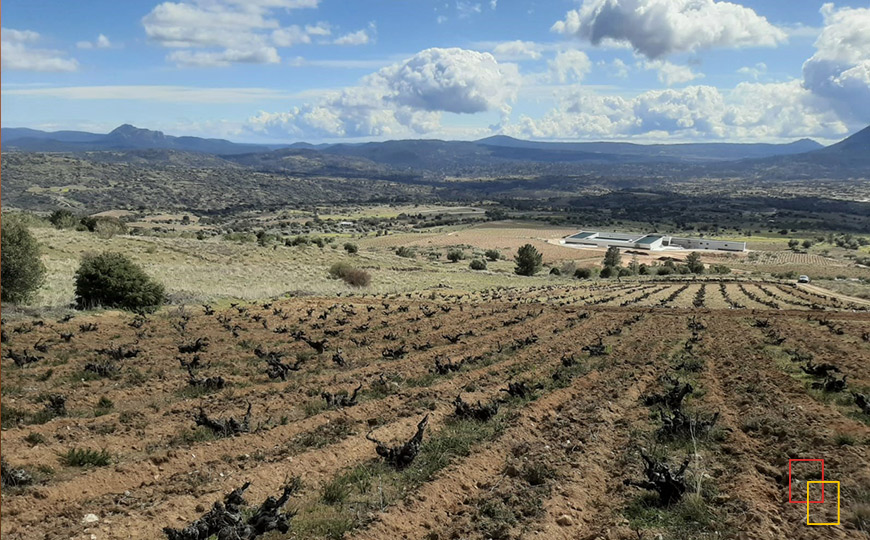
(650, 239)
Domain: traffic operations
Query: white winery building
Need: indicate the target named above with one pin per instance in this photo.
(651, 242)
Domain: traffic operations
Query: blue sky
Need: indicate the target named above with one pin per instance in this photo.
(328, 70)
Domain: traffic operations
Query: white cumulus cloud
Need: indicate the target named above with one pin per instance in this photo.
(750, 111)
(19, 53)
(656, 28)
(517, 50)
(225, 31)
(360, 37)
(401, 99)
(755, 72)
(670, 74)
(569, 66)
(102, 42)
(839, 71)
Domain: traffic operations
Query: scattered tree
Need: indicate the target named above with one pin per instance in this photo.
(613, 257)
(528, 260)
(350, 248)
(694, 264)
(22, 270)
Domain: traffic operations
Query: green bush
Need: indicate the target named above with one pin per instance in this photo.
(63, 219)
(492, 254)
(351, 248)
(22, 271)
(404, 251)
(477, 264)
(240, 237)
(297, 241)
(607, 272)
(528, 261)
(355, 277)
(583, 273)
(455, 255)
(105, 226)
(339, 269)
(555, 271)
(113, 280)
(665, 271)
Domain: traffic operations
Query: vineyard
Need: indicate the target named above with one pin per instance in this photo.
(613, 411)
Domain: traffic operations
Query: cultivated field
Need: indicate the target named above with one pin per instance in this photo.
(601, 364)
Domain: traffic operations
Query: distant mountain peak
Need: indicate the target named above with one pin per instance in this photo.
(128, 131)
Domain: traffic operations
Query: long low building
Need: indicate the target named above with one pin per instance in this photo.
(651, 242)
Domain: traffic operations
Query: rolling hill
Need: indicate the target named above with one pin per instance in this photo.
(125, 137)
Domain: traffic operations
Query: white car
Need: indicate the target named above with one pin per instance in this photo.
(803, 279)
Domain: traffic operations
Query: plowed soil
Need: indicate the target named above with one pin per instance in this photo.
(551, 465)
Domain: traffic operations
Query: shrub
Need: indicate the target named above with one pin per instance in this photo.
(528, 261)
(665, 271)
(583, 273)
(106, 228)
(34, 438)
(492, 254)
(555, 271)
(339, 269)
(405, 251)
(103, 225)
(22, 271)
(720, 269)
(606, 272)
(623, 272)
(76, 457)
(350, 248)
(113, 280)
(455, 255)
(352, 276)
(357, 277)
(63, 219)
(477, 264)
(297, 241)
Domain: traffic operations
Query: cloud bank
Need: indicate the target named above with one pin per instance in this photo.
(657, 28)
(19, 52)
(404, 98)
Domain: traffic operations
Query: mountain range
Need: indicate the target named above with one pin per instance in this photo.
(499, 153)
